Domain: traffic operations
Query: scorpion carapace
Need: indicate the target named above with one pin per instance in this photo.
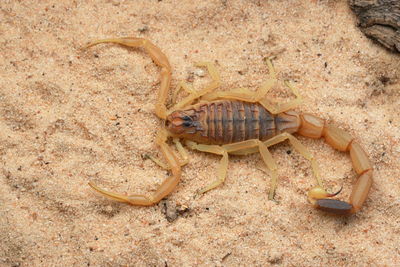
(240, 122)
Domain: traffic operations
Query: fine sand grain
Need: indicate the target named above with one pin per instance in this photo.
(68, 116)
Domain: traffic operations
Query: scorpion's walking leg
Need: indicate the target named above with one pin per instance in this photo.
(163, 190)
(182, 85)
(184, 157)
(299, 148)
(158, 57)
(223, 166)
(249, 145)
(296, 144)
(244, 94)
(231, 148)
(193, 94)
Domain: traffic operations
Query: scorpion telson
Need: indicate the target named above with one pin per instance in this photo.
(240, 122)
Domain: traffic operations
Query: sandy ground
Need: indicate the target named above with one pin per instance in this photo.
(69, 116)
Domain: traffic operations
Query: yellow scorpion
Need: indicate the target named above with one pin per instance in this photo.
(240, 122)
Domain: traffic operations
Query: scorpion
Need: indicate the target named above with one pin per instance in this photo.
(239, 122)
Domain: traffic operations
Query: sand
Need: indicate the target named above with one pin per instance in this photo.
(69, 116)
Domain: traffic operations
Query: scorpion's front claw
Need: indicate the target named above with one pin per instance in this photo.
(136, 200)
(320, 200)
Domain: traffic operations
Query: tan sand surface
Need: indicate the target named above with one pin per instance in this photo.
(69, 116)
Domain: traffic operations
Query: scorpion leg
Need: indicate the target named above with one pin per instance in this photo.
(231, 148)
(182, 85)
(276, 108)
(159, 59)
(182, 152)
(249, 146)
(193, 95)
(163, 190)
(184, 157)
(299, 148)
(278, 139)
(223, 166)
(244, 94)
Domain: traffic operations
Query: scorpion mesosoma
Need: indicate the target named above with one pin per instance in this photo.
(239, 122)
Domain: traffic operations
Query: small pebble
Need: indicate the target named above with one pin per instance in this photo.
(199, 72)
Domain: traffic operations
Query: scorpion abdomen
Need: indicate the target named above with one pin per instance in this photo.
(230, 121)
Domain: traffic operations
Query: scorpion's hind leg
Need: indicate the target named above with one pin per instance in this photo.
(249, 147)
(163, 190)
(241, 148)
(158, 57)
(276, 108)
(299, 147)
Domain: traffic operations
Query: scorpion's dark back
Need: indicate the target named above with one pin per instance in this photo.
(231, 121)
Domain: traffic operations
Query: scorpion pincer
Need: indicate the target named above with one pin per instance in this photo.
(240, 122)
